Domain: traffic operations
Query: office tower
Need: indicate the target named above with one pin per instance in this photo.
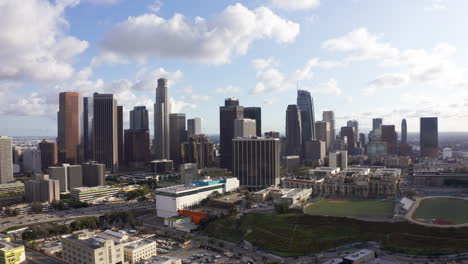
(69, 176)
(198, 150)
(137, 146)
(227, 114)
(88, 114)
(49, 157)
(329, 116)
(255, 113)
(69, 129)
(404, 132)
(293, 131)
(42, 189)
(245, 128)
(376, 123)
(376, 149)
(6, 160)
(188, 172)
(272, 134)
(162, 166)
(323, 132)
(256, 162)
(362, 139)
(355, 124)
(59, 173)
(348, 132)
(429, 137)
(389, 136)
(93, 174)
(338, 159)
(17, 154)
(178, 136)
(139, 118)
(162, 109)
(305, 103)
(193, 127)
(32, 161)
(315, 151)
(120, 143)
(105, 131)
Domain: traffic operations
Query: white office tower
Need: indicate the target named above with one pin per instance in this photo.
(329, 116)
(338, 159)
(6, 160)
(245, 128)
(162, 109)
(32, 161)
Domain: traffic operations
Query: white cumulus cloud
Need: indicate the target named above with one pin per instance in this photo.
(295, 4)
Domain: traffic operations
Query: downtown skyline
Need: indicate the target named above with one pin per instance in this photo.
(361, 69)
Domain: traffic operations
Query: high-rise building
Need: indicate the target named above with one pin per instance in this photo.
(255, 113)
(69, 129)
(429, 137)
(305, 103)
(59, 173)
(362, 139)
(93, 174)
(355, 124)
(198, 150)
(348, 132)
(293, 131)
(338, 159)
(139, 118)
(404, 132)
(105, 131)
(272, 134)
(329, 116)
(376, 123)
(32, 161)
(245, 128)
(315, 151)
(120, 136)
(193, 127)
(88, 114)
(49, 157)
(227, 114)
(256, 162)
(390, 137)
(178, 136)
(69, 176)
(137, 146)
(162, 109)
(42, 189)
(6, 160)
(188, 173)
(323, 132)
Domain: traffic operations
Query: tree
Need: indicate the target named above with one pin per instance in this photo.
(36, 207)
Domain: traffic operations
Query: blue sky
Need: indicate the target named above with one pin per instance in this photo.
(361, 58)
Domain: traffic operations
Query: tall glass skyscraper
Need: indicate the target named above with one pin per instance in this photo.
(162, 109)
(306, 105)
(429, 137)
(404, 132)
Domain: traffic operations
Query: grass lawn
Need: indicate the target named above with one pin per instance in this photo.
(451, 210)
(296, 234)
(351, 208)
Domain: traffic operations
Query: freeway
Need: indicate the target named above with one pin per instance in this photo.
(66, 215)
(34, 257)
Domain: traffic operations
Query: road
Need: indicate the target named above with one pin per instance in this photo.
(35, 257)
(25, 220)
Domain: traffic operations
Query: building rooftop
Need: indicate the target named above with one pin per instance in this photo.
(359, 254)
(5, 245)
(292, 193)
(139, 243)
(87, 239)
(159, 260)
(96, 188)
(198, 184)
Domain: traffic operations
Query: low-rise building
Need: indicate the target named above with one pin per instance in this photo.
(294, 197)
(171, 199)
(11, 188)
(86, 194)
(139, 250)
(161, 260)
(298, 183)
(12, 253)
(359, 257)
(87, 248)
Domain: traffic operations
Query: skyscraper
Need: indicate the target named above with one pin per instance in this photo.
(6, 160)
(256, 162)
(88, 128)
(120, 135)
(48, 150)
(93, 174)
(178, 136)
(162, 109)
(355, 124)
(255, 113)
(69, 130)
(404, 132)
(376, 123)
(42, 189)
(429, 137)
(245, 128)
(293, 131)
(139, 118)
(198, 150)
(329, 116)
(32, 161)
(193, 127)
(390, 137)
(305, 103)
(348, 132)
(137, 146)
(105, 131)
(227, 114)
(323, 132)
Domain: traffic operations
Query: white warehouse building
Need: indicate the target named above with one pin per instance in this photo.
(179, 197)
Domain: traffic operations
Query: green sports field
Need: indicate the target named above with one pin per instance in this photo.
(442, 210)
(351, 208)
